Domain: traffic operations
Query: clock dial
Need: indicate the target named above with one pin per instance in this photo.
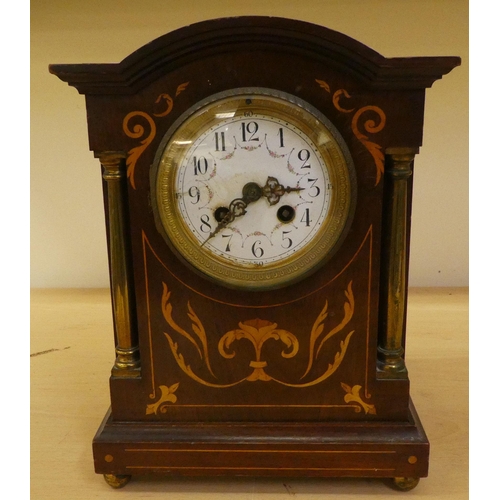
(254, 188)
(253, 233)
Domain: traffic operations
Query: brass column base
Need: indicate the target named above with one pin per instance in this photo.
(127, 362)
(390, 363)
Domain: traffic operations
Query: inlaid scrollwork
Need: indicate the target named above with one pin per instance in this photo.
(167, 396)
(146, 133)
(318, 327)
(353, 396)
(137, 132)
(370, 126)
(258, 331)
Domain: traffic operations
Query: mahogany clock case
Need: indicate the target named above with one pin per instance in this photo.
(308, 379)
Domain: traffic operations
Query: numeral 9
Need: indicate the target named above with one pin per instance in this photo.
(194, 192)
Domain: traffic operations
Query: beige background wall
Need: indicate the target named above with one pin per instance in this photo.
(67, 222)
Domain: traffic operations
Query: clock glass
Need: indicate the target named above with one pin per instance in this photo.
(253, 188)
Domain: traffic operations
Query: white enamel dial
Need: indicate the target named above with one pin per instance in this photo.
(253, 190)
(248, 149)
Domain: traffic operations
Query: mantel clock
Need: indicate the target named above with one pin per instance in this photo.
(257, 177)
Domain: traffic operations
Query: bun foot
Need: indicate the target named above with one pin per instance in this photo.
(118, 481)
(405, 483)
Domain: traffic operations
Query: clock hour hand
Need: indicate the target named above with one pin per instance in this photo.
(252, 192)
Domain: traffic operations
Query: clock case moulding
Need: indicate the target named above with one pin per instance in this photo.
(311, 380)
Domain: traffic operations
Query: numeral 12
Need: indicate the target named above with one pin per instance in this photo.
(250, 128)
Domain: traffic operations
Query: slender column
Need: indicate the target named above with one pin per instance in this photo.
(395, 257)
(127, 361)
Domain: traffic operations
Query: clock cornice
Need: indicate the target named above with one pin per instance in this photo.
(207, 38)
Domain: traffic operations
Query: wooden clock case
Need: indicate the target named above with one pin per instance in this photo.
(306, 380)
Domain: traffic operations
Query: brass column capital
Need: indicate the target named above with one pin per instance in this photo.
(112, 162)
(400, 167)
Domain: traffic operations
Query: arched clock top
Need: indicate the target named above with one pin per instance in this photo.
(232, 35)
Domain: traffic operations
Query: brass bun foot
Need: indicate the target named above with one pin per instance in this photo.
(405, 483)
(118, 481)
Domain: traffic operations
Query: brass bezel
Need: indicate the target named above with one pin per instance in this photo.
(332, 149)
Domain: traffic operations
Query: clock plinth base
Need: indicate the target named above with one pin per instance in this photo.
(397, 450)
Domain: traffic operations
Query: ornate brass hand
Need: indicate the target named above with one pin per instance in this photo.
(251, 193)
(273, 190)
